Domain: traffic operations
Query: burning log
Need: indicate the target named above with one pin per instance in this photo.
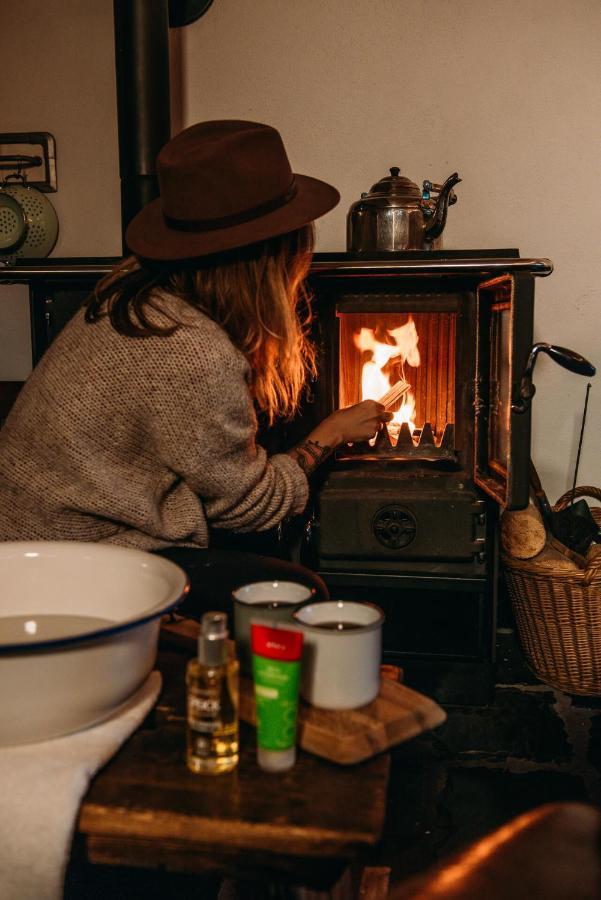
(395, 393)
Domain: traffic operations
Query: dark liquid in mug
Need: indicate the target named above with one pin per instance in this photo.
(273, 604)
(338, 626)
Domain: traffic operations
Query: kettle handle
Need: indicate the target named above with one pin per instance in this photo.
(429, 188)
(437, 216)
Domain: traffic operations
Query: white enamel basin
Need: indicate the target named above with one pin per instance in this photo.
(79, 627)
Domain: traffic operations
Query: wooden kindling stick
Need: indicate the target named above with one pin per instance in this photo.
(394, 394)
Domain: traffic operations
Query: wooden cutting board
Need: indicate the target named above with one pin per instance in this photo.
(348, 736)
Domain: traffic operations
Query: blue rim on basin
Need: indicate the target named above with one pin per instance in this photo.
(32, 549)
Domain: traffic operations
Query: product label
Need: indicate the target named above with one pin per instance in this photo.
(276, 695)
(274, 642)
(204, 713)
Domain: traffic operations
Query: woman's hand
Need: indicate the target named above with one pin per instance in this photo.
(355, 423)
(359, 422)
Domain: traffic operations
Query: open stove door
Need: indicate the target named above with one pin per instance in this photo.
(505, 313)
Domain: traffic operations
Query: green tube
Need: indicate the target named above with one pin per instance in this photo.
(276, 654)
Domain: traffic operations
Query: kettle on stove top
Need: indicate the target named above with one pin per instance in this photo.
(396, 215)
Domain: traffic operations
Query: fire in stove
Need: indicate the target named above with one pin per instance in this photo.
(376, 384)
(406, 362)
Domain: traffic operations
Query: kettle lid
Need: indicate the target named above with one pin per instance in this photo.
(395, 185)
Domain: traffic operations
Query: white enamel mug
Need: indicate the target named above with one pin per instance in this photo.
(342, 653)
(264, 601)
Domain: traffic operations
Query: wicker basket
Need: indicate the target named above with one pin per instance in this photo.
(558, 615)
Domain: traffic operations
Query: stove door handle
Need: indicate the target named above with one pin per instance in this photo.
(566, 358)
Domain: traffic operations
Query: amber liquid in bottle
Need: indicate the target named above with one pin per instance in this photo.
(212, 701)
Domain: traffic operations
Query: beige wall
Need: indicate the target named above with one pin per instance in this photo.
(507, 94)
(58, 76)
(62, 59)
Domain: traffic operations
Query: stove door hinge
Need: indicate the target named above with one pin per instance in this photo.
(479, 533)
(479, 401)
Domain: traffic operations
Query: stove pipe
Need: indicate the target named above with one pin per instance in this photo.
(143, 98)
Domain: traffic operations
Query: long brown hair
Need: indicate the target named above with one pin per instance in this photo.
(256, 293)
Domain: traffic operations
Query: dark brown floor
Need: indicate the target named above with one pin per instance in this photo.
(488, 763)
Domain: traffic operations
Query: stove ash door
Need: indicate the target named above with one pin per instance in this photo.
(505, 312)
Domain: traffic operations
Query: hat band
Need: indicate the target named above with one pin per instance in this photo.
(237, 219)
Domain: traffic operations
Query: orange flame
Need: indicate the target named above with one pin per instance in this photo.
(375, 383)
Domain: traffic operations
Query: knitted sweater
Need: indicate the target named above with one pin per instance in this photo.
(140, 441)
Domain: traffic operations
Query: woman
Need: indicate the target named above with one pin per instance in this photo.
(138, 425)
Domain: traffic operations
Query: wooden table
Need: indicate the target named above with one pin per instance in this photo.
(145, 809)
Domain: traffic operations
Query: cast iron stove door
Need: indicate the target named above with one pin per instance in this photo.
(505, 308)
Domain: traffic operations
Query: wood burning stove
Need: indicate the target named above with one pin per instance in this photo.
(409, 519)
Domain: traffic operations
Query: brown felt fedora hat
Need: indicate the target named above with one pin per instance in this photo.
(224, 184)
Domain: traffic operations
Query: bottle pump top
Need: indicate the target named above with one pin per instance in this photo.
(212, 639)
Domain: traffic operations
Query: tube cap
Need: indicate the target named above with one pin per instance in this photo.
(275, 642)
(276, 760)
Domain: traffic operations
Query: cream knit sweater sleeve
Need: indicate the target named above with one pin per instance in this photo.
(204, 425)
(144, 442)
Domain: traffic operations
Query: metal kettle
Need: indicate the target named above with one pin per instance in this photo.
(396, 215)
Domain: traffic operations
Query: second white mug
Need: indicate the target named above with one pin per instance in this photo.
(342, 653)
(266, 602)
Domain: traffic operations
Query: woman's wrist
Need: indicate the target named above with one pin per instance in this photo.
(328, 432)
(317, 446)
(309, 454)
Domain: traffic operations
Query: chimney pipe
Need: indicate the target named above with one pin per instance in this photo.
(143, 98)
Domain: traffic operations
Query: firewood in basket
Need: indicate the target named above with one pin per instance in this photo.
(523, 533)
(394, 394)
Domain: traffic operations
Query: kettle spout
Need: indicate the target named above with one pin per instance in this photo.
(436, 224)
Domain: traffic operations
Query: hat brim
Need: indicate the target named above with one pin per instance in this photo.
(149, 236)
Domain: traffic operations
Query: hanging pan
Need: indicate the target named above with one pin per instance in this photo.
(13, 224)
(28, 220)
